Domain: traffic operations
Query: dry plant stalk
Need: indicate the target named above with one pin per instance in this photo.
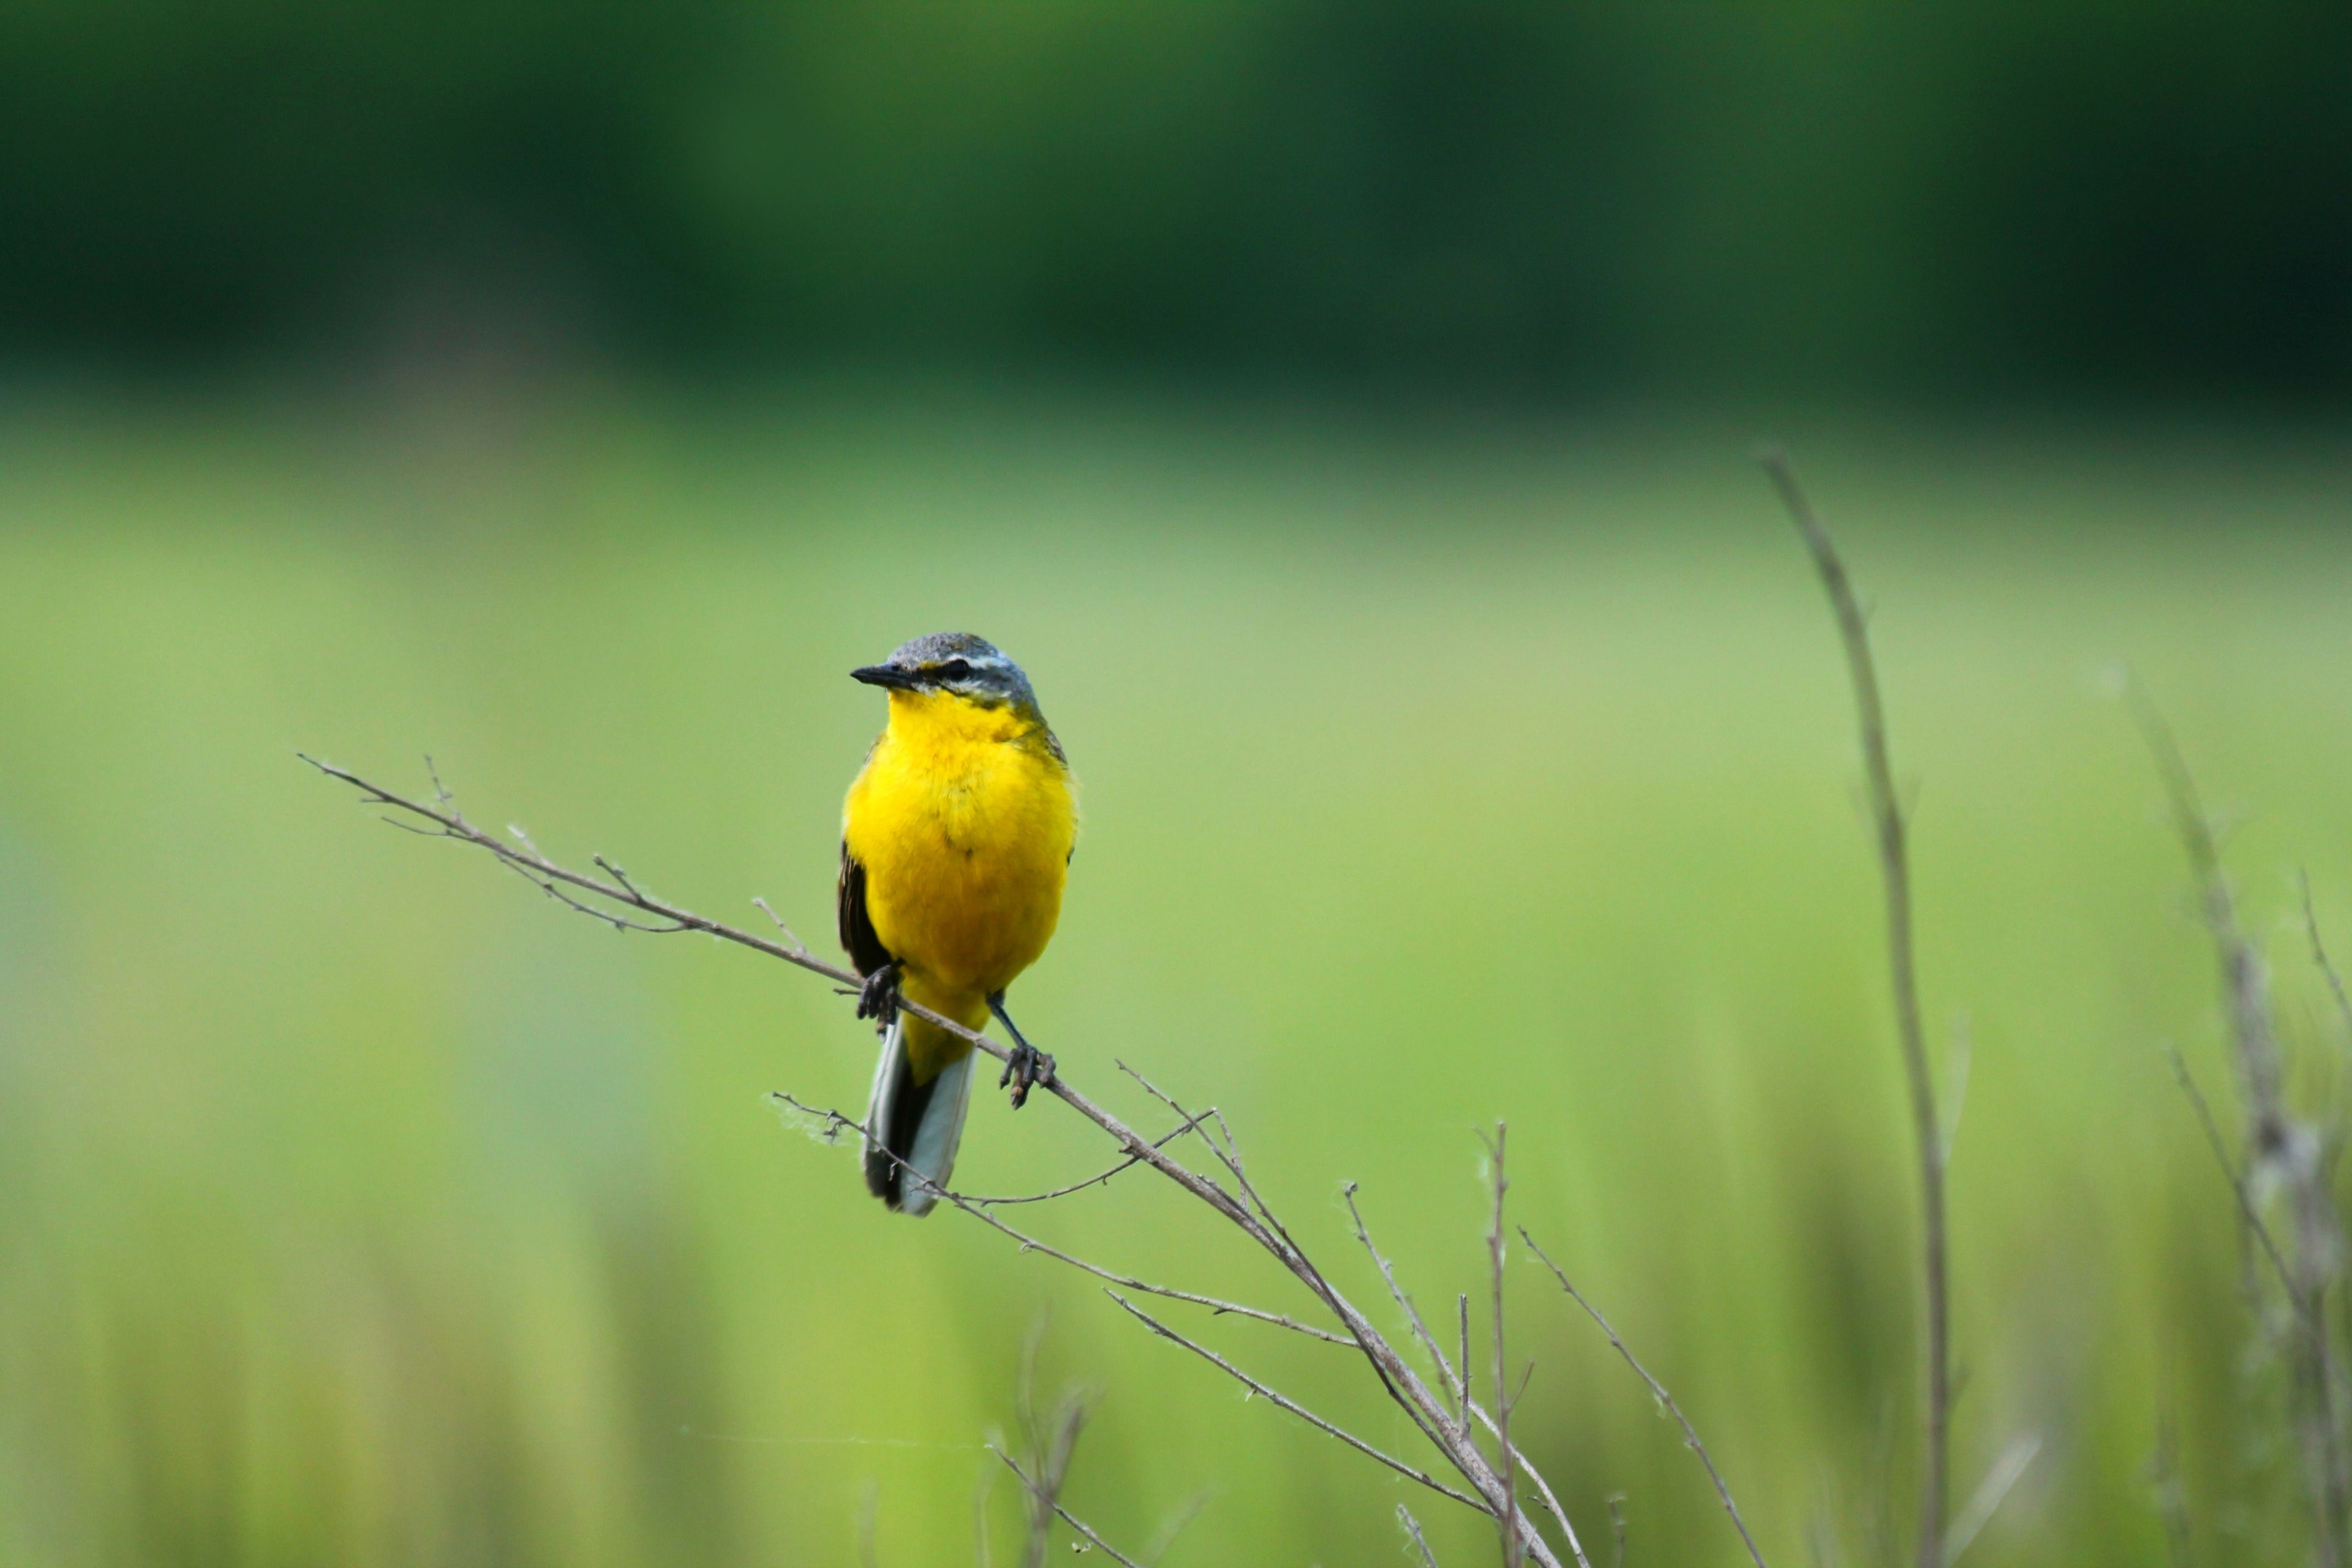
(1503, 1399)
(1895, 873)
(1042, 1498)
(1450, 1416)
(1490, 1481)
(1412, 1527)
(2282, 1151)
(1666, 1400)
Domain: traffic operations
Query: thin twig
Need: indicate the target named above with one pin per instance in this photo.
(618, 922)
(1317, 1422)
(2326, 965)
(1461, 1321)
(1225, 1154)
(2247, 1211)
(1528, 1473)
(1072, 1521)
(614, 871)
(1690, 1433)
(1221, 1308)
(2276, 1142)
(1458, 1385)
(1427, 1410)
(2243, 984)
(1617, 1528)
(798, 945)
(1453, 1384)
(1098, 1179)
(1894, 871)
(1412, 1533)
(1504, 1452)
(975, 1208)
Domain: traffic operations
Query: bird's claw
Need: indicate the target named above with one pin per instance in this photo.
(878, 998)
(1024, 1067)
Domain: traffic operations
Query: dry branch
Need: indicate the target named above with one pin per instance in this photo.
(2244, 983)
(841, 1121)
(1412, 1533)
(2248, 1211)
(1281, 1402)
(1072, 1521)
(1245, 1208)
(1456, 1383)
(2326, 964)
(2280, 1149)
(1098, 1179)
(1455, 1386)
(1503, 1396)
(1895, 872)
(1690, 1433)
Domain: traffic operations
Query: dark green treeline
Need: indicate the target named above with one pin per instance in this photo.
(2102, 199)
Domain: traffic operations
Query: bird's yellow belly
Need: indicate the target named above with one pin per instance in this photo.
(966, 844)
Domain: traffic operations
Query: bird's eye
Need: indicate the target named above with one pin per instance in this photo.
(953, 669)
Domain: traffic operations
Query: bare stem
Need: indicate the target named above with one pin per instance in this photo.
(2326, 965)
(2247, 1210)
(1456, 1377)
(1246, 1210)
(1072, 1521)
(1462, 1322)
(1098, 1179)
(1895, 872)
(1412, 1533)
(1455, 1386)
(1690, 1433)
(2276, 1142)
(978, 1209)
(1282, 1403)
(2244, 986)
(1510, 1517)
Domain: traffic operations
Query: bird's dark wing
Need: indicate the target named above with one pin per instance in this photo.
(865, 951)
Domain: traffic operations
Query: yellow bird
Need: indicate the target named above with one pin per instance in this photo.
(955, 843)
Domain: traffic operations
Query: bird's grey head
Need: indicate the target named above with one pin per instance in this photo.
(956, 662)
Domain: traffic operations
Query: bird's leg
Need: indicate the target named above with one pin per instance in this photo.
(1027, 1065)
(878, 998)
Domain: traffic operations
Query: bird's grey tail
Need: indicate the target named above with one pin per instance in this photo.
(912, 1129)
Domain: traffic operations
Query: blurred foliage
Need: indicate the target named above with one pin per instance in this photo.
(2094, 197)
(357, 1204)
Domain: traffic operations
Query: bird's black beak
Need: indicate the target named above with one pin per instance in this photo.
(888, 675)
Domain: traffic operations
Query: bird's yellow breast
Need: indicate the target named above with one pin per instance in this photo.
(964, 819)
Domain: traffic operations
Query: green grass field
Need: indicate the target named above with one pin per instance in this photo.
(357, 1204)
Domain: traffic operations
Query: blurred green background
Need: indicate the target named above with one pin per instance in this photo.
(1342, 412)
